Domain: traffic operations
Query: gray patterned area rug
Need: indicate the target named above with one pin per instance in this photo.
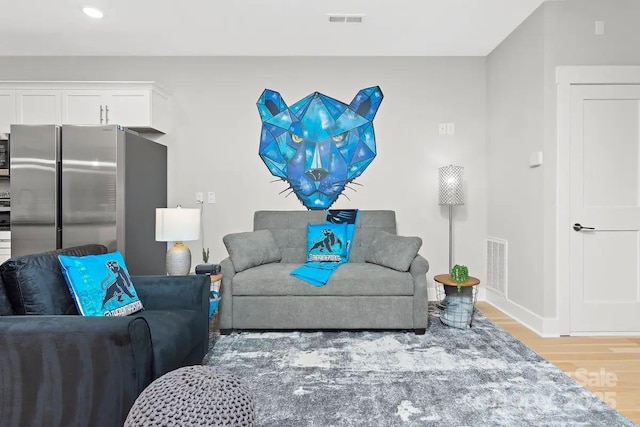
(447, 377)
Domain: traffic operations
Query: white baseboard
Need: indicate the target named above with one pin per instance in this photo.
(545, 327)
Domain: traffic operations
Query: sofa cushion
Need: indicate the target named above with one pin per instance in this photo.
(389, 250)
(289, 230)
(350, 279)
(35, 285)
(327, 242)
(100, 284)
(173, 336)
(251, 249)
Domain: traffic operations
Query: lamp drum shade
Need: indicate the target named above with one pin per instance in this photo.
(177, 224)
(451, 185)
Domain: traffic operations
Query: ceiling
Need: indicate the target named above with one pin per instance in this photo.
(259, 27)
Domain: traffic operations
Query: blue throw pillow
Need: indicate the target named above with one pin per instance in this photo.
(327, 242)
(100, 284)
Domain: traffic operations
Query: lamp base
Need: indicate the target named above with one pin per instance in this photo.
(178, 260)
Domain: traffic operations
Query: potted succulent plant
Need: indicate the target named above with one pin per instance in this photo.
(459, 274)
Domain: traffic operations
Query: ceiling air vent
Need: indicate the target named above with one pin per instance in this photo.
(349, 19)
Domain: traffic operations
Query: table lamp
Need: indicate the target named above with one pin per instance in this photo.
(177, 225)
(451, 194)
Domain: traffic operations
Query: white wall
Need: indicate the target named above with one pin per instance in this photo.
(515, 82)
(213, 145)
(522, 112)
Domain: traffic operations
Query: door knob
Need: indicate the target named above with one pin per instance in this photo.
(578, 227)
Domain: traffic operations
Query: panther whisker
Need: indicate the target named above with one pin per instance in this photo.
(288, 188)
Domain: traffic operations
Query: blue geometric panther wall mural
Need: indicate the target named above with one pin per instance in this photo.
(319, 144)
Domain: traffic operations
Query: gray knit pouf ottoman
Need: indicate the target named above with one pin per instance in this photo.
(194, 396)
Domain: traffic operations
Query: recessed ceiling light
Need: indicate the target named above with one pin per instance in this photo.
(93, 12)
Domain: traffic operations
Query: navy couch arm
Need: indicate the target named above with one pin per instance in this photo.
(72, 370)
(178, 292)
(173, 292)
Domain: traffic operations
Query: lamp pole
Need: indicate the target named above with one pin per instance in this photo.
(450, 237)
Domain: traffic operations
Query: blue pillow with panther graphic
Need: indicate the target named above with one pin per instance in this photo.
(327, 242)
(100, 284)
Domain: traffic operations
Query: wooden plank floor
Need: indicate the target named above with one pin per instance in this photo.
(607, 366)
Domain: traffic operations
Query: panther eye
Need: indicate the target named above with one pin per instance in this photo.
(338, 138)
(296, 138)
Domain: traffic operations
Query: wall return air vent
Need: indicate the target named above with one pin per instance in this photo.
(335, 18)
(497, 262)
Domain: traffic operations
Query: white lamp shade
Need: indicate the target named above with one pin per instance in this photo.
(451, 185)
(177, 224)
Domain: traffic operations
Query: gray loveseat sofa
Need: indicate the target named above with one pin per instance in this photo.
(258, 291)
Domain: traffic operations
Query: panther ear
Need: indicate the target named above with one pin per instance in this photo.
(270, 104)
(367, 102)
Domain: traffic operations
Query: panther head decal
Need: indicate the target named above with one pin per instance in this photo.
(319, 144)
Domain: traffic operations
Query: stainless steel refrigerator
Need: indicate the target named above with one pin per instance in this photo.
(74, 185)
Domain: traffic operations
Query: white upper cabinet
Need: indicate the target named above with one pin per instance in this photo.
(83, 107)
(7, 109)
(142, 106)
(38, 106)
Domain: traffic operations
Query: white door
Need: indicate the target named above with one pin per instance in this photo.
(605, 195)
(83, 107)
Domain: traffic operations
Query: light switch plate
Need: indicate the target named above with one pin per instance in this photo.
(535, 159)
(451, 128)
(211, 197)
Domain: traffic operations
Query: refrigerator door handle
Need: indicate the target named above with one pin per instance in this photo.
(101, 114)
(106, 109)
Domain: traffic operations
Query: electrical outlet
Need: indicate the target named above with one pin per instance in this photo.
(442, 129)
(211, 197)
(199, 197)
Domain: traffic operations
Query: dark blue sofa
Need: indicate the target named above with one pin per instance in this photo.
(61, 369)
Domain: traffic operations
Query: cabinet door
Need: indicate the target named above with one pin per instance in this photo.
(129, 108)
(7, 110)
(83, 107)
(38, 107)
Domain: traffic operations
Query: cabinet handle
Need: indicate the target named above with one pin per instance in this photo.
(101, 114)
(106, 109)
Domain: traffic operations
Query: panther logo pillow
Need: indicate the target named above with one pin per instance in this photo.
(319, 144)
(327, 242)
(100, 284)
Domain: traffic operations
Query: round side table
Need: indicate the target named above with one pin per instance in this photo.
(459, 306)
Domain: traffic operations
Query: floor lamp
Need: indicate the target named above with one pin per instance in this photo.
(451, 194)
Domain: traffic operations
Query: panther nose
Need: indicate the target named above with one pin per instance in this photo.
(317, 174)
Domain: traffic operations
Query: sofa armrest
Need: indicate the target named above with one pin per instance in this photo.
(225, 309)
(173, 292)
(72, 370)
(419, 266)
(418, 269)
